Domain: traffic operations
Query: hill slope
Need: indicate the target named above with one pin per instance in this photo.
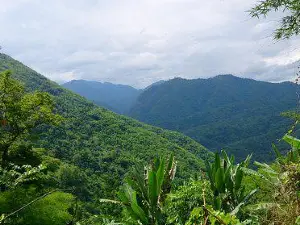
(116, 97)
(103, 144)
(241, 115)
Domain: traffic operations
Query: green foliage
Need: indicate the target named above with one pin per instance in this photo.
(181, 202)
(20, 113)
(23, 177)
(92, 150)
(28, 193)
(239, 115)
(15, 175)
(144, 194)
(51, 210)
(293, 156)
(280, 183)
(226, 183)
(57, 203)
(104, 146)
(73, 177)
(204, 215)
(290, 23)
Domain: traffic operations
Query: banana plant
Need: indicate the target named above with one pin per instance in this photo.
(208, 215)
(143, 194)
(271, 175)
(226, 183)
(281, 178)
(294, 154)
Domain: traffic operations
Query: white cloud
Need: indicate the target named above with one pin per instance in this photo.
(138, 42)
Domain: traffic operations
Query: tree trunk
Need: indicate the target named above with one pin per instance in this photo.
(4, 158)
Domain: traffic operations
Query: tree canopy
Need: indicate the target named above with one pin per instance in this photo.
(21, 112)
(29, 191)
(290, 23)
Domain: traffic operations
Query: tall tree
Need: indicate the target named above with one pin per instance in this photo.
(290, 23)
(20, 113)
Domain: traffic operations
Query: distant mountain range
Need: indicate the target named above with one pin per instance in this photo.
(240, 115)
(115, 97)
(224, 112)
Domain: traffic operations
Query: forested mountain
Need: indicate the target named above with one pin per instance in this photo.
(64, 160)
(224, 112)
(154, 84)
(116, 97)
(102, 145)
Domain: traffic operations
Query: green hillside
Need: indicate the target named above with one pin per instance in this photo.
(105, 145)
(224, 112)
(75, 173)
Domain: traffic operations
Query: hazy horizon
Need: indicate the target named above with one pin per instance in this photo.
(137, 43)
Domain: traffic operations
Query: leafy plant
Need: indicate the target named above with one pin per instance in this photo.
(281, 182)
(226, 183)
(181, 201)
(20, 113)
(143, 195)
(15, 175)
(102, 145)
(207, 215)
(290, 23)
(51, 208)
(23, 176)
(294, 154)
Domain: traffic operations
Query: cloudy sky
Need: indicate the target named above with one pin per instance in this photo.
(138, 42)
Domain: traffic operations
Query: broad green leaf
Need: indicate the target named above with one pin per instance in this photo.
(217, 161)
(254, 173)
(238, 178)
(246, 199)
(137, 209)
(156, 164)
(209, 170)
(246, 162)
(160, 176)
(152, 189)
(170, 163)
(294, 142)
(220, 179)
(232, 159)
(276, 151)
(218, 203)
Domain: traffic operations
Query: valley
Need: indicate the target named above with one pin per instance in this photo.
(169, 112)
(242, 116)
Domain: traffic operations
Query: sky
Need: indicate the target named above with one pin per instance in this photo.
(139, 42)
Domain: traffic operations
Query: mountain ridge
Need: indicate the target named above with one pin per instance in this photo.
(116, 97)
(103, 144)
(220, 111)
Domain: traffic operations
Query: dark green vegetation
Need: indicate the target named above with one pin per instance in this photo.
(49, 174)
(144, 194)
(116, 97)
(21, 171)
(60, 153)
(92, 148)
(240, 115)
(228, 193)
(224, 112)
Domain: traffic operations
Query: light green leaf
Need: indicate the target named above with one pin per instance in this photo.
(152, 189)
